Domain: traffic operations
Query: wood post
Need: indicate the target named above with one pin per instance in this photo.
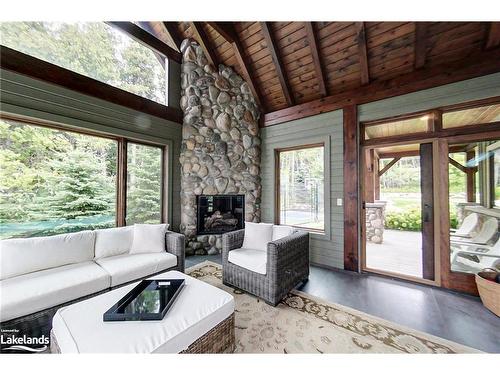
(121, 183)
(369, 176)
(376, 176)
(426, 187)
(351, 178)
(471, 177)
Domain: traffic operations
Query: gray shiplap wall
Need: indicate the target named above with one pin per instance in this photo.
(454, 93)
(329, 249)
(24, 96)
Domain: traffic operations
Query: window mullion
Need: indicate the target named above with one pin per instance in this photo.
(121, 180)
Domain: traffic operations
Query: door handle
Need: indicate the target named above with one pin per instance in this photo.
(427, 208)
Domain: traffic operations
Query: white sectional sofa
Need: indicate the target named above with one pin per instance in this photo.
(43, 273)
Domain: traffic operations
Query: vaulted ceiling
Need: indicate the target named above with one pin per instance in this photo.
(289, 63)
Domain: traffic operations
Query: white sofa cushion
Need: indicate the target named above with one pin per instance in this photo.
(27, 294)
(128, 267)
(281, 231)
(79, 328)
(20, 256)
(113, 241)
(149, 238)
(257, 235)
(251, 259)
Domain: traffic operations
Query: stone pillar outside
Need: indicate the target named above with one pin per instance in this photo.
(375, 220)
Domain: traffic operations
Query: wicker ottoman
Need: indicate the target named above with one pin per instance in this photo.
(201, 320)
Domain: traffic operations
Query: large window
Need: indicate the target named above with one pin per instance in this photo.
(144, 184)
(93, 49)
(301, 187)
(56, 181)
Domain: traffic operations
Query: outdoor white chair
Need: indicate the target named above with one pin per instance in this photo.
(467, 227)
(487, 257)
(486, 233)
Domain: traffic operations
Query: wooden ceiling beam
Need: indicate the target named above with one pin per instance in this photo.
(145, 38)
(493, 39)
(147, 26)
(228, 32)
(420, 44)
(173, 33)
(318, 66)
(480, 64)
(202, 38)
(278, 65)
(363, 55)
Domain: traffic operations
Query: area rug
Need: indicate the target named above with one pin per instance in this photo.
(302, 323)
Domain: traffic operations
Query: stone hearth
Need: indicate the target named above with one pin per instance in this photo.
(220, 152)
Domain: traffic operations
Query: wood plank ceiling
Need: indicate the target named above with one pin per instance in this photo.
(292, 63)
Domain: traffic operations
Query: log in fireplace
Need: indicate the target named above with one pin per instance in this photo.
(219, 214)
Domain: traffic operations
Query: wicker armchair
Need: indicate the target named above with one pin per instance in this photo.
(287, 265)
(175, 244)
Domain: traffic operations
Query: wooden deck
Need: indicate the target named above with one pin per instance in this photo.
(401, 252)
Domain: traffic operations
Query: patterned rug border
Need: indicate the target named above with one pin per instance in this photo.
(380, 321)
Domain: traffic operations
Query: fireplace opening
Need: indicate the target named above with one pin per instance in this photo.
(219, 214)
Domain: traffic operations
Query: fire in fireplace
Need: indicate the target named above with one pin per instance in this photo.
(219, 214)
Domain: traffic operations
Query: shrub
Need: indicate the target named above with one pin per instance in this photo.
(406, 220)
(411, 220)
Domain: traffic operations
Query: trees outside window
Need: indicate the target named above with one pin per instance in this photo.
(55, 181)
(301, 187)
(144, 184)
(93, 49)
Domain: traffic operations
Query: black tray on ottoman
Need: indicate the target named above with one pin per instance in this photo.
(149, 300)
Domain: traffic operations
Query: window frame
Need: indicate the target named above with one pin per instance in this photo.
(435, 129)
(325, 142)
(163, 163)
(121, 163)
(490, 171)
(158, 53)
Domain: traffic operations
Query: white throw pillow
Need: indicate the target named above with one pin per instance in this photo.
(149, 238)
(257, 235)
(280, 231)
(113, 241)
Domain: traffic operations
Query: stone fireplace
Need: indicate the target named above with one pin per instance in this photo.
(220, 152)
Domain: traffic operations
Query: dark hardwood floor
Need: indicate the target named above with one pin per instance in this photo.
(453, 316)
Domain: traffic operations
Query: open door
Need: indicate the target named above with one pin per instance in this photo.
(398, 207)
